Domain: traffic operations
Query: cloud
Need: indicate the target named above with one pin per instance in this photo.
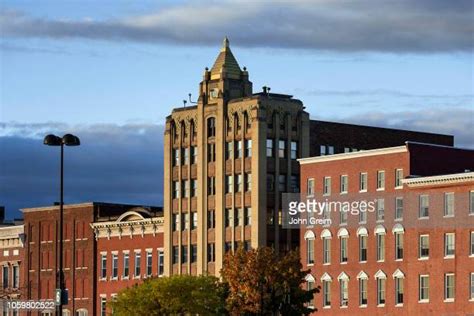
(115, 163)
(425, 26)
(458, 122)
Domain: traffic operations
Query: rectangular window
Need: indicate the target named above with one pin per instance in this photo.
(363, 217)
(176, 190)
(193, 187)
(449, 245)
(211, 256)
(449, 287)
(240, 217)
(344, 294)
(310, 251)
(327, 186)
(193, 154)
(175, 222)
(238, 149)
(16, 276)
(229, 184)
(248, 182)
(363, 248)
(310, 287)
(424, 288)
(269, 147)
(380, 247)
(161, 262)
(326, 250)
(149, 263)
(424, 206)
(270, 182)
(380, 180)
(322, 150)
(175, 253)
(449, 204)
(240, 183)
(343, 254)
(295, 183)
(185, 188)
(399, 291)
(229, 150)
(424, 246)
(363, 182)
(343, 217)
(211, 186)
(310, 187)
(282, 183)
(193, 253)
(184, 254)
(398, 178)
(326, 293)
(126, 265)
(211, 152)
(175, 157)
(114, 266)
(229, 217)
(248, 148)
(103, 307)
(380, 209)
(138, 264)
(381, 291)
(103, 266)
(471, 247)
(330, 150)
(399, 208)
(184, 156)
(194, 220)
(184, 221)
(211, 223)
(344, 183)
(248, 216)
(471, 202)
(5, 277)
(362, 292)
(282, 149)
(472, 287)
(294, 150)
(398, 245)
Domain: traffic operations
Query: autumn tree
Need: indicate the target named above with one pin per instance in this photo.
(175, 295)
(262, 282)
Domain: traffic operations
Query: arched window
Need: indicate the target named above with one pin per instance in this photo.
(309, 237)
(343, 236)
(363, 279)
(380, 236)
(398, 233)
(326, 281)
(326, 237)
(399, 278)
(363, 234)
(343, 279)
(211, 127)
(309, 286)
(381, 279)
(81, 312)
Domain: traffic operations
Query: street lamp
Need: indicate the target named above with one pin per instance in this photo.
(68, 140)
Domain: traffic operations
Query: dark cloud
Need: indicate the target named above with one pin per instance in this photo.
(115, 163)
(345, 26)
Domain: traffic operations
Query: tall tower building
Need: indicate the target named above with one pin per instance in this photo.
(227, 160)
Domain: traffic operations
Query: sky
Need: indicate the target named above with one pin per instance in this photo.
(111, 71)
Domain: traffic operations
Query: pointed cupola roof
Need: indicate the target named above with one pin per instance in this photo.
(226, 65)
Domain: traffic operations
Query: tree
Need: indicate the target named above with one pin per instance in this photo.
(262, 282)
(180, 294)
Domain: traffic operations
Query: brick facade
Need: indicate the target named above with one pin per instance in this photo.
(401, 265)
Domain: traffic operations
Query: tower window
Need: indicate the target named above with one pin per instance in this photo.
(211, 127)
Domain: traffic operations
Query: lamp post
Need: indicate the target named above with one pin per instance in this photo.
(68, 140)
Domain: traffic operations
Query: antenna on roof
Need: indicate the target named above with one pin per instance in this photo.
(189, 95)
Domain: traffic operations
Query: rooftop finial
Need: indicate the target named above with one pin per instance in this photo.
(225, 44)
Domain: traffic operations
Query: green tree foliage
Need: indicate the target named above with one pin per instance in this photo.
(176, 295)
(262, 282)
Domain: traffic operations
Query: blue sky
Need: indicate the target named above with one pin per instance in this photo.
(83, 66)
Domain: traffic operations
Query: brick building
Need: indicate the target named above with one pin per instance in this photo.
(11, 261)
(80, 254)
(129, 250)
(413, 253)
(228, 159)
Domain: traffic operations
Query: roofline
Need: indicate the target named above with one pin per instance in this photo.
(438, 145)
(352, 155)
(379, 127)
(83, 204)
(442, 179)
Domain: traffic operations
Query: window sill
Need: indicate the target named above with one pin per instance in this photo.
(380, 221)
(343, 193)
(448, 216)
(362, 191)
(423, 258)
(326, 307)
(380, 305)
(381, 260)
(310, 264)
(449, 300)
(398, 219)
(363, 306)
(380, 189)
(399, 187)
(399, 260)
(125, 278)
(102, 279)
(423, 218)
(114, 279)
(344, 262)
(365, 261)
(399, 305)
(343, 306)
(449, 257)
(424, 301)
(327, 264)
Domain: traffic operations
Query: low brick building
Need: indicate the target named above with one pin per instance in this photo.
(11, 261)
(80, 253)
(129, 250)
(413, 252)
